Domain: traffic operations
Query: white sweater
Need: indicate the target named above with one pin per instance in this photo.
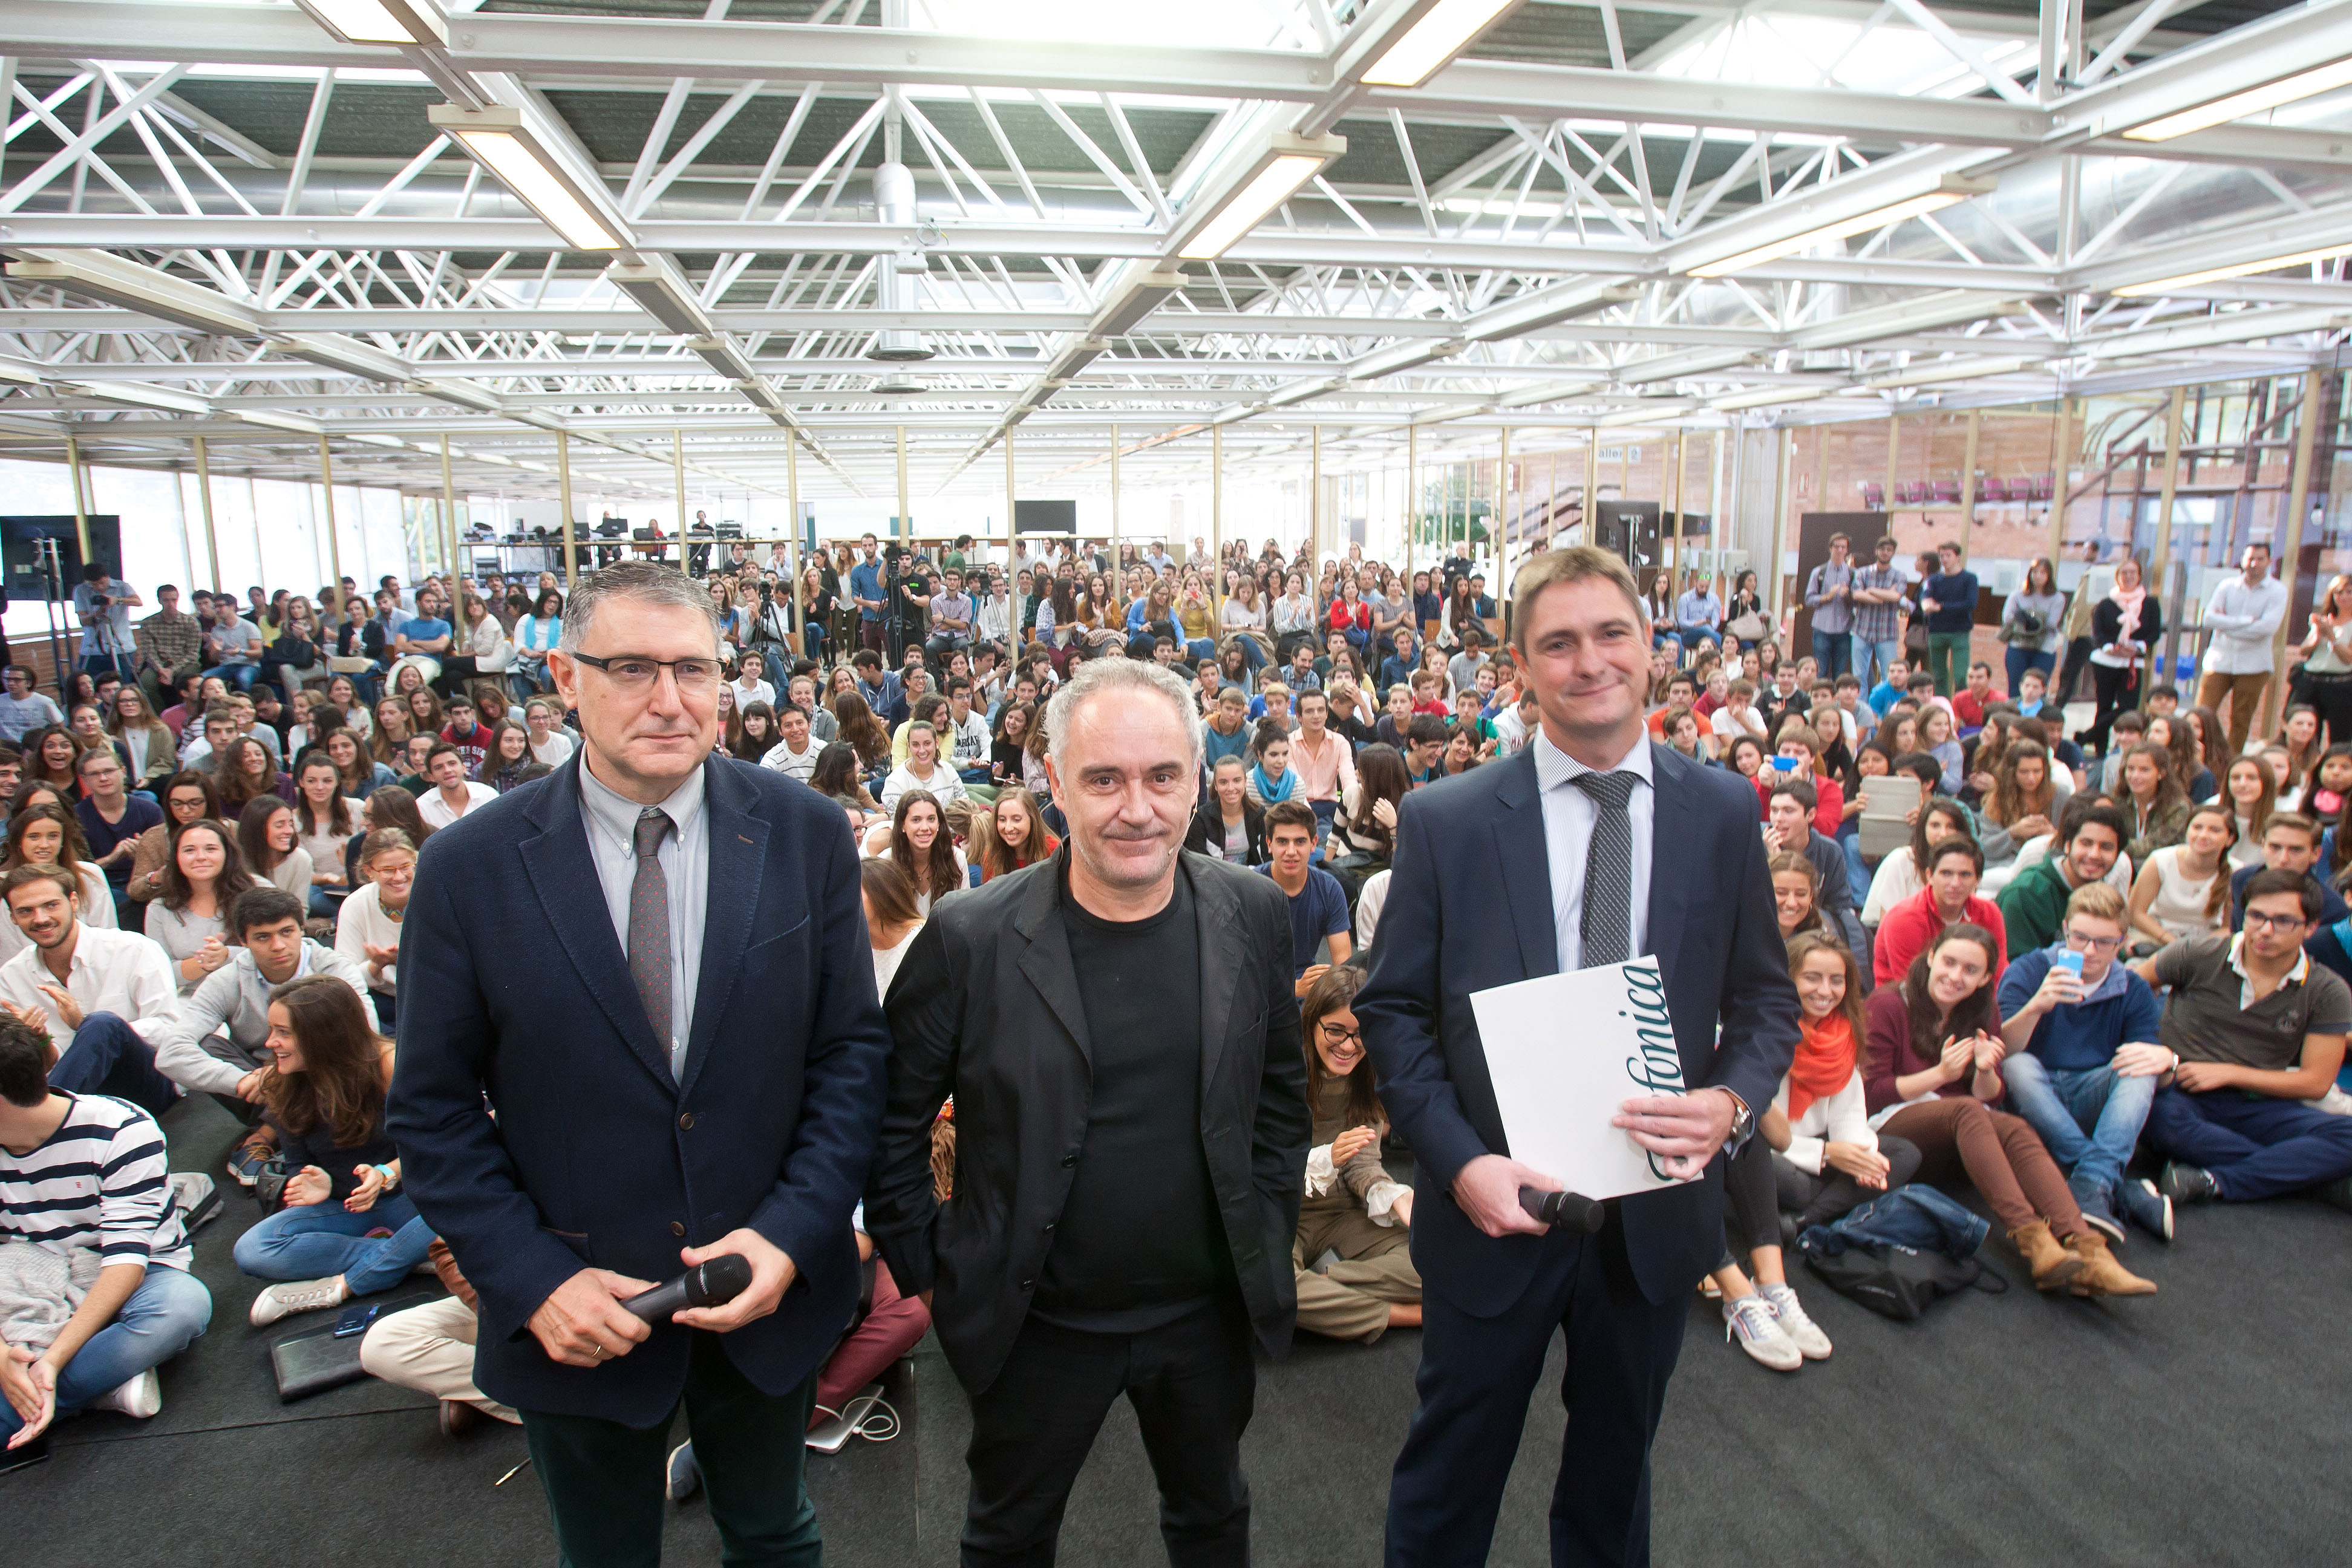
(1842, 1117)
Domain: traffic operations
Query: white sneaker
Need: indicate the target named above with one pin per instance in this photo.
(1751, 1320)
(297, 1296)
(142, 1398)
(1800, 1328)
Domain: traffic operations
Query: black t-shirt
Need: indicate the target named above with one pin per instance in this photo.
(1140, 1243)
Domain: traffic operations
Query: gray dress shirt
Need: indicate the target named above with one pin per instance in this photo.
(610, 819)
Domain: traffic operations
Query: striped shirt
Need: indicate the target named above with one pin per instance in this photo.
(102, 1181)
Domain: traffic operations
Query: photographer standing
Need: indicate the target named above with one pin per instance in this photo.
(104, 607)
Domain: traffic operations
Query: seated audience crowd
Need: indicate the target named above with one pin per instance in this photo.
(2093, 981)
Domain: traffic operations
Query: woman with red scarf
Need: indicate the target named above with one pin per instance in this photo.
(1815, 1153)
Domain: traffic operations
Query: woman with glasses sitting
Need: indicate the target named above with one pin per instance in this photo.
(1352, 1208)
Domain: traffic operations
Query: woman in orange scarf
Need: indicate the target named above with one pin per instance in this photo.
(1815, 1153)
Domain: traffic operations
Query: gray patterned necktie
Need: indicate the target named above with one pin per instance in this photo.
(1606, 930)
(649, 961)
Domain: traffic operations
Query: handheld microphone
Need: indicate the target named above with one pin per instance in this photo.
(1573, 1210)
(711, 1284)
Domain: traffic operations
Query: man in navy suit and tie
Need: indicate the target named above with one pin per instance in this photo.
(638, 1030)
(1605, 847)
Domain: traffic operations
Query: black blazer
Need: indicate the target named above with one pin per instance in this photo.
(1209, 827)
(2108, 625)
(986, 1007)
(515, 993)
(1445, 933)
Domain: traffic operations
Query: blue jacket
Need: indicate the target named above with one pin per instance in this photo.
(1462, 841)
(515, 993)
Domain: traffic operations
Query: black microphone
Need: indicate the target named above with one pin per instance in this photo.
(711, 1284)
(1573, 1210)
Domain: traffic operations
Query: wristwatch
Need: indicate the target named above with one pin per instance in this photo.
(1743, 1123)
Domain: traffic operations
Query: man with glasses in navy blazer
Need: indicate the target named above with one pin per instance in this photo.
(1602, 846)
(638, 1030)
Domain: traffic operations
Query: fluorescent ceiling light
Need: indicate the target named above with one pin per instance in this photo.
(1142, 294)
(460, 393)
(495, 138)
(156, 294)
(337, 352)
(1443, 31)
(1229, 413)
(142, 395)
(1767, 398)
(1949, 191)
(293, 422)
(2238, 105)
(1950, 370)
(661, 296)
(1300, 391)
(1544, 307)
(1288, 162)
(1657, 414)
(1403, 356)
(392, 441)
(2210, 274)
(379, 21)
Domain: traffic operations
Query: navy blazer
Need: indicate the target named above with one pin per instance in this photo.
(1445, 934)
(515, 997)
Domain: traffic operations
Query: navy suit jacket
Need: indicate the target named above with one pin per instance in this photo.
(1445, 934)
(516, 998)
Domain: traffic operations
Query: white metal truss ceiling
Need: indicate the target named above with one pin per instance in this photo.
(222, 210)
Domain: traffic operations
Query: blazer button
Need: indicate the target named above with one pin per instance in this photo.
(1068, 1160)
(1028, 1284)
(685, 1122)
(677, 1227)
(1049, 1228)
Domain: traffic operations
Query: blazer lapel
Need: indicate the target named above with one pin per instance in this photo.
(1526, 864)
(1672, 842)
(1046, 956)
(563, 874)
(1217, 916)
(738, 857)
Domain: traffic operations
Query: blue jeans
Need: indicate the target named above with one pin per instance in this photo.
(1694, 637)
(1857, 874)
(1200, 647)
(322, 1240)
(2089, 1117)
(106, 1057)
(238, 675)
(1885, 653)
(1833, 652)
(162, 1318)
(2020, 660)
(2256, 1147)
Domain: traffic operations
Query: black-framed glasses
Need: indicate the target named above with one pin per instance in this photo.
(1335, 1036)
(2093, 943)
(637, 672)
(2274, 922)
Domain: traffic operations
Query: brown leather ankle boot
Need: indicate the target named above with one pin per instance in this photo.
(2052, 1264)
(2102, 1275)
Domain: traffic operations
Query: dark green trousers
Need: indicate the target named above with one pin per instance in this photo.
(603, 1480)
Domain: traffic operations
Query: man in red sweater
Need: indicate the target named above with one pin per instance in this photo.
(1956, 865)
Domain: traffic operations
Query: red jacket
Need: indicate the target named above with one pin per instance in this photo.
(1912, 924)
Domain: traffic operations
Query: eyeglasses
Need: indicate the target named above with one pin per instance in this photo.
(2255, 918)
(1335, 1037)
(2093, 943)
(635, 673)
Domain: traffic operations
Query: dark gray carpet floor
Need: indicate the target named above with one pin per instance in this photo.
(2193, 1427)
